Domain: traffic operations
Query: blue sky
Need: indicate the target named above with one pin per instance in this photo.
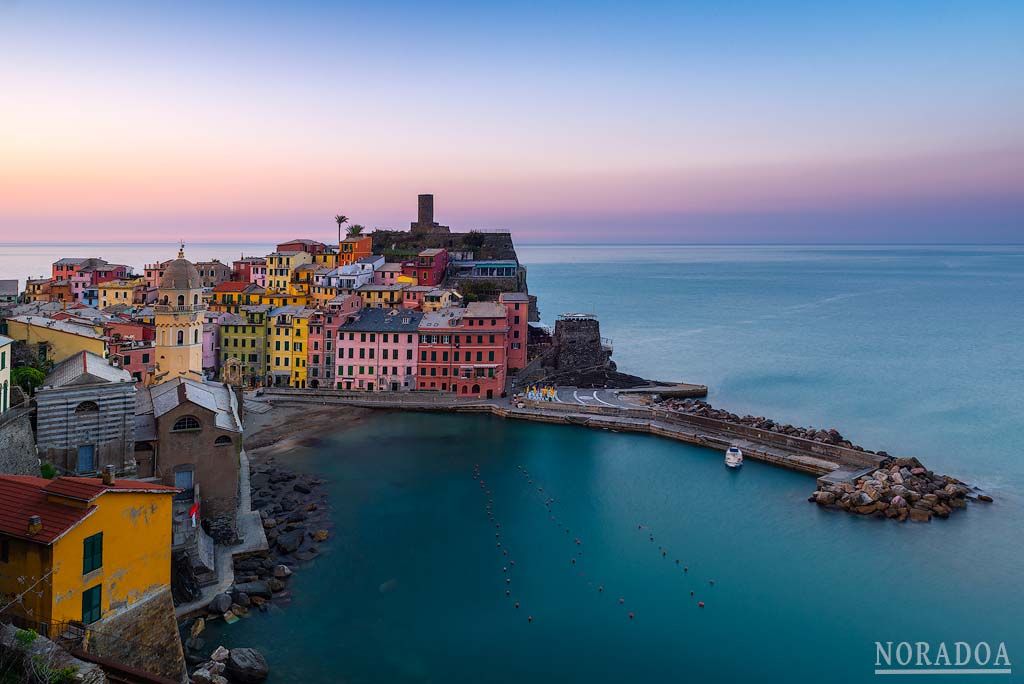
(564, 121)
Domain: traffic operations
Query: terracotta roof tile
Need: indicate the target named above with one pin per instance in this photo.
(22, 496)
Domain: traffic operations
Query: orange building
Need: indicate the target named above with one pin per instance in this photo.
(354, 248)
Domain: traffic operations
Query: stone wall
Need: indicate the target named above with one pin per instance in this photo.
(17, 443)
(143, 635)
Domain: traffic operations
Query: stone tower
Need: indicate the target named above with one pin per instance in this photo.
(179, 322)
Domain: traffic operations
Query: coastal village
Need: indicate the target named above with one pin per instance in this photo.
(130, 513)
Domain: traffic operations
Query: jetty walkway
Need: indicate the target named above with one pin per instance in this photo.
(612, 410)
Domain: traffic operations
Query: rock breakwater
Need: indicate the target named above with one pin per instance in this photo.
(902, 489)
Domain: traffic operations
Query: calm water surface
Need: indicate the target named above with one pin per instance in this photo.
(912, 349)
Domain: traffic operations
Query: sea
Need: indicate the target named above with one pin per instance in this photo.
(613, 540)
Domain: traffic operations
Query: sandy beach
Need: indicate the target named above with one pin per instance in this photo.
(275, 432)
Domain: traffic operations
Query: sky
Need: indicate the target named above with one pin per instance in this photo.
(562, 121)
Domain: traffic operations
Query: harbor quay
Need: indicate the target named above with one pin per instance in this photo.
(873, 483)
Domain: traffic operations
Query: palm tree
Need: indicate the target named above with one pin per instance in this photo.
(340, 219)
(355, 230)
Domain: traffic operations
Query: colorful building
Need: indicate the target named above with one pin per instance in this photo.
(353, 248)
(428, 268)
(6, 361)
(250, 270)
(78, 549)
(55, 340)
(179, 315)
(388, 274)
(287, 335)
(438, 299)
(413, 296)
(381, 296)
(231, 295)
(213, 272)
(243, 336)
(377, 350)
(517, 309)
(136, 357)
(464, 350)
(120, 291)
(280, 267)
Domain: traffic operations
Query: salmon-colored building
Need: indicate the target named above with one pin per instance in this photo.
(354, 248)
(517, 309)
(464, 350)
(428, 267)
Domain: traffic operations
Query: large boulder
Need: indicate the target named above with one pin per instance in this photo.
(247, 666)
(289, 542)
(220, 603)
(257, 588)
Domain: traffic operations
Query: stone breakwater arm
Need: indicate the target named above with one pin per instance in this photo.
(844, 469)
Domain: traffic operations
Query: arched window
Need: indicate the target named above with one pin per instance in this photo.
(195, 300)
(86, 407)
(186, 424)
(223, 440)
(181, 337)
(181, 300)
(195, 337)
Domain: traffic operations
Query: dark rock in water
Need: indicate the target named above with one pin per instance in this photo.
(307, 555)
(258, 588)
(302, 488)
(290, 542)
(241, 598)
(985, 497)
(220, 603)
(247, 666)
(296, 516)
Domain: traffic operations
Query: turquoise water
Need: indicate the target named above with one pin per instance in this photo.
(915, 350)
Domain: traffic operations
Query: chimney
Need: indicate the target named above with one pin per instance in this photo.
(108, 475)
(426, 210)
(35, 524)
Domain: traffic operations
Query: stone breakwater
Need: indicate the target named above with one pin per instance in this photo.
(901, 489)
(701, 408)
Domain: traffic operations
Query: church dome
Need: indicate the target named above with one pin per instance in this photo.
(181, 274)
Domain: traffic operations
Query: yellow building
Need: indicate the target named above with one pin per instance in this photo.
(55, 340)
(6, 345)
(381, 296)
(230, 296)
(287, 345)
(327, 258)
(280, 267)
(438, 299)
(78, 548)
(37, 290)
(179, 314)
(119, 291)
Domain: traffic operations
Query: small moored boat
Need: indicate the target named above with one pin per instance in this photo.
(733, 457)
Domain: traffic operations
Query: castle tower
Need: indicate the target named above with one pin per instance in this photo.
(179, 322)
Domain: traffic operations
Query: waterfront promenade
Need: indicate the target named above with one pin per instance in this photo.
(611, 410)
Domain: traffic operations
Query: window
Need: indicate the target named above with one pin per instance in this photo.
(186, 424)
(5, 551)
(92, 556)
(223, 440)
(91, 604)
(87, 407)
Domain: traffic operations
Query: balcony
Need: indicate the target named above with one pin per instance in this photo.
(185, 308)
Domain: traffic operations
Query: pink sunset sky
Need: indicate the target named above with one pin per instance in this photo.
(571, 123)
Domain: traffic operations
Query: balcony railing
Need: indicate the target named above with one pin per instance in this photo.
(174, 308)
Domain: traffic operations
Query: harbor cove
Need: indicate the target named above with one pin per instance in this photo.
(411, 586)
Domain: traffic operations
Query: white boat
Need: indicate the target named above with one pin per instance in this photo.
(733, 457)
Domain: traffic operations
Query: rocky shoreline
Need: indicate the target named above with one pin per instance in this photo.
(902, 489)
(296, 518)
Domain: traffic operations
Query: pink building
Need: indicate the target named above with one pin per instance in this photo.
(387, 274)
(250, 270)
(377, 350)
(211, 342)
(138, 358)
(517, 309)
(412, 297)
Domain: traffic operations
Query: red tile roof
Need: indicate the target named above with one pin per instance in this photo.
(22, 496)
(231, 286)
(88, 488)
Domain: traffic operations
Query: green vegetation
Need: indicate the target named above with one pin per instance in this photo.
(27, 378)
(355, 230)
(48, 471)
(25, 636)
(474, 240)
(340, 219)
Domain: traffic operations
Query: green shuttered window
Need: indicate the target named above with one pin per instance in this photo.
(92, 553)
